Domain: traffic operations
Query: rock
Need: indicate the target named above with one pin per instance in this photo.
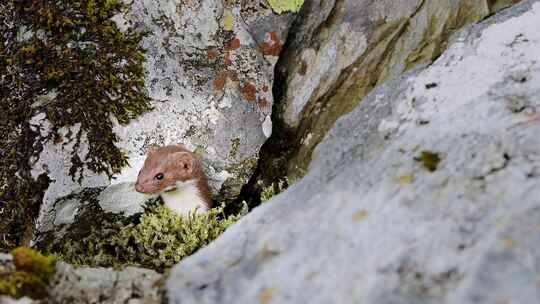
(75, 215)
(427, 192)
(96, 285)
(102, 285)
(340, 50)
(209, 75)
(8, 300)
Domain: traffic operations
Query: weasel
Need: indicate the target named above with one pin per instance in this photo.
(177, 175)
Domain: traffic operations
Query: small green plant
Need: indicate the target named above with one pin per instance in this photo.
(30, 275)
(159, 240)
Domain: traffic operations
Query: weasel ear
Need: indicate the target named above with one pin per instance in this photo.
(151, 150)
(184, 161)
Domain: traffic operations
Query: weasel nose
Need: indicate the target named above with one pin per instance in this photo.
(139, 188)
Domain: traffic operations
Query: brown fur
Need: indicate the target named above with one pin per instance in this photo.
(176, 163)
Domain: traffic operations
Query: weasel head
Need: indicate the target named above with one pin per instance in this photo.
(164, 167)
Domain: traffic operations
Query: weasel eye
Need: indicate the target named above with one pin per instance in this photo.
(159, 176)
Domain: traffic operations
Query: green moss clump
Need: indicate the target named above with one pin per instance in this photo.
(430, 160)
(31, 274)
(69, 63)
(159, 240)
(281, 6)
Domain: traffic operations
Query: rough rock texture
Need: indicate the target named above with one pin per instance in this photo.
(102, 285)
(339, 50)
(75, 215)
(97, 285)
(209, 74)
(426, 193)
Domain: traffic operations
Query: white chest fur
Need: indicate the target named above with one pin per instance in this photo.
(184, 199)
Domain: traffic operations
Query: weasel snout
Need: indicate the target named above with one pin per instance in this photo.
(141, 189)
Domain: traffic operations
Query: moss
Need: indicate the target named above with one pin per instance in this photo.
(29, 277)
(73, 52)
(275, 188)
(282, 6)
(430, 160)
(160, 239)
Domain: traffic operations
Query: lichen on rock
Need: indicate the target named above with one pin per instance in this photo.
(281, 6)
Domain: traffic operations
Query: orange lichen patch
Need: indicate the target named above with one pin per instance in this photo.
(233, 45)
(211, 54)
(264, 103)
(249, 92)
(220, 81)
(272, 47)
(227, 58)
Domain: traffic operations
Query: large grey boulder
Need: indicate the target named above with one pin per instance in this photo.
(427, 192)
(209, 75)
(339, 51)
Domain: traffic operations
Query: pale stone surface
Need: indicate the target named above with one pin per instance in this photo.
(371, 224)
(98, 285)
(122, 198)
(8, 300)
(104, 285)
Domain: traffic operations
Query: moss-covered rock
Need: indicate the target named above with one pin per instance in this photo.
(28, 275)
(65, 62)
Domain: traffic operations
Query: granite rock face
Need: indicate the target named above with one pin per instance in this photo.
(209, 75)
(340, 50)
(427, 192)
